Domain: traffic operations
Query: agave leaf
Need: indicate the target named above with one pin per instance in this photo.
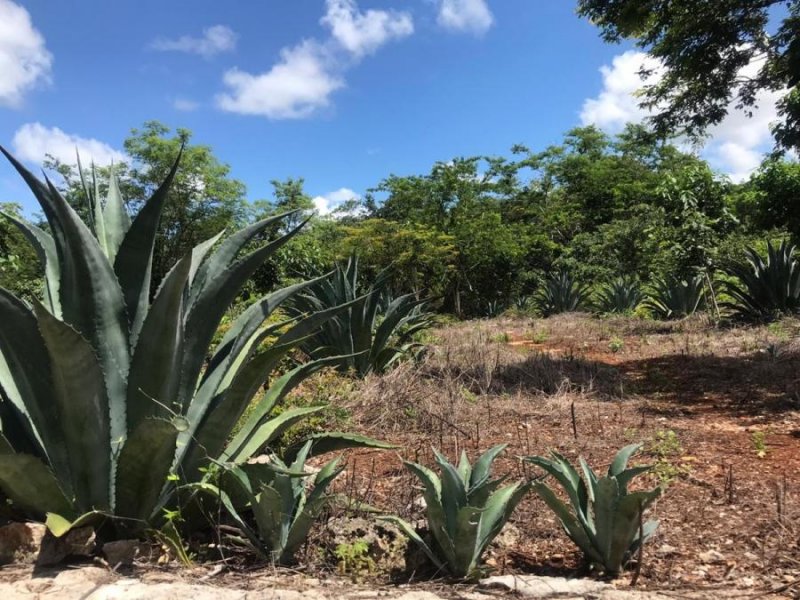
(26, 378)
(610, 521)
(282, 386)
(45, 249)
(268, 431)
(497, 510)
(335, 441)
(133, 262)
(81, 403)
(155, 367)
(626, 527)
(60, 526)
(406, 527)
(115, 217)
(142, 470)
(480, 471)
(620, 461)
(31, 485)
(466, 545)
(454, 493)
(572, 526)
(210, 304)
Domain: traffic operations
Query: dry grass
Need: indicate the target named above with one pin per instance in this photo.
(519, 381)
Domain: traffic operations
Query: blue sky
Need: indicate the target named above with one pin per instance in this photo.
(340, 92)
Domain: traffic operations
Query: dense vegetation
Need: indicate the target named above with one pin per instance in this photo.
(477, 235)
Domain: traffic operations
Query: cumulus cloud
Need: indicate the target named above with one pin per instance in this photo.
(305, 76)
(295, 87)
(24, 59)
(471, 16)
(33, 141)
(735, 146)
(215, 40)
(363, 33)
(329, 202)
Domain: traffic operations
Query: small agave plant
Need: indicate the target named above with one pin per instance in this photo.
(619, 296)
(375, 331)
(465, 509)
(766, 287)
(279, 499)
(107, 398)
(605, 520)
(673, 298)
(560, 293)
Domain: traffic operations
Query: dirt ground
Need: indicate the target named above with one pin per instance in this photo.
(716, 409)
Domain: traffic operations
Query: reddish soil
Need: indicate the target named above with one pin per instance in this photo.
(729, 512)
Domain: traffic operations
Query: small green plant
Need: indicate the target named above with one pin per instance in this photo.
(500, 338)
(605, 519)
(673, 298)
(616, 344)
(766, 287)
(354, 560)
(666, 448)
(276, 493)
(759, 440)
(465, 510)
(538, 337)
(374, 333)
(620, 296)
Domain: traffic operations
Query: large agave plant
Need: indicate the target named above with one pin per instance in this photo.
(561, 293)
(620, 296)
(465, 510)
(106, 397)
(765, 288)
(605, 520)
(373, 333)
(673, 298)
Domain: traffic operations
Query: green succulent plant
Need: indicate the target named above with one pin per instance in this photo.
(604, 519)
(619, 296)
(375, 331)
(106, 398)
(766, 288)
(465, 510)
(560, 293)
(673, 298)
(283, 505)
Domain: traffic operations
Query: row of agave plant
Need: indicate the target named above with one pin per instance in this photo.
(116, 408)
(118, 412)
(756, 289)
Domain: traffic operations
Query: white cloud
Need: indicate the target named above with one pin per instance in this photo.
(735, 146)
(472, 16)
(215, 40)
(24, 59)
(328, 203)
(363, 33)
(297, 86)
(184, 104)
(33, 141)
(307, 74)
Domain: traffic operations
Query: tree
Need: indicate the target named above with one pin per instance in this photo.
(20, 269)
(774, 197)
(714, 52)
(203, 199)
